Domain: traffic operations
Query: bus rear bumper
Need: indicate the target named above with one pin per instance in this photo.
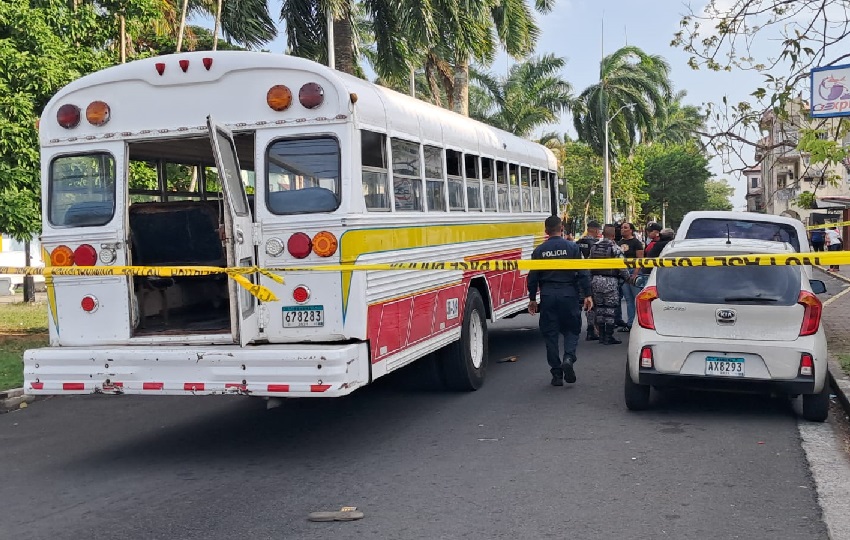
(262, 370)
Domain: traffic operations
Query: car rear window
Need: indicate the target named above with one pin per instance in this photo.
(739, 228)
(768, 285)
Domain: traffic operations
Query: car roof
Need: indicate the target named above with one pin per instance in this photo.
(737, 246)
(742, 216)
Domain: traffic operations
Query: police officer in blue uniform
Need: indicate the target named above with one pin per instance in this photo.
(560, 308)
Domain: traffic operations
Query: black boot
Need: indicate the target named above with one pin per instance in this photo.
(569, 371)
(608, 336)
(557, 377)
(591, 334)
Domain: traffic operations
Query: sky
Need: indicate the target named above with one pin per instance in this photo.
(574, 30)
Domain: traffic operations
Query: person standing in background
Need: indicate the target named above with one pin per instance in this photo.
(833, 240)
(632, 248)
(818, 239)
(606, 286)
(584, 244)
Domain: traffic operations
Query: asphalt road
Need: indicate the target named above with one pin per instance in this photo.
(518, 459)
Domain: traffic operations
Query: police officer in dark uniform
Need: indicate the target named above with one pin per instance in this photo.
(560, 309)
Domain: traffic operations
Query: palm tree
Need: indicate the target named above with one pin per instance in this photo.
(532, 94)
(681, 123)
(630, 81)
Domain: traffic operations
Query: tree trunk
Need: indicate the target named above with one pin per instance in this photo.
(217, 25)
(123, 25)
(433, 85)
(182, 25)
(343, 45)
(460, 92)
(29, 284)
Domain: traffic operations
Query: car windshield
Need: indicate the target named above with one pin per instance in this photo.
(737, 228)
(773, 285)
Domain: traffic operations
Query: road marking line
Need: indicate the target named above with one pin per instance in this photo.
(836, 297)
(831, 472)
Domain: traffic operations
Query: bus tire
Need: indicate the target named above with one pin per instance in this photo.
(464, 362)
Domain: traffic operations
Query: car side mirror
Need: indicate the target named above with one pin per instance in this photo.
(818, 286)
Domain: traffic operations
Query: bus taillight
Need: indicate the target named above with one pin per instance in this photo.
(85, 255)
(300, 294)
(299, 245)
(279, 97)
(311, 95)
(97, 113)
(62, 256)
(68, 116)
(324, 244)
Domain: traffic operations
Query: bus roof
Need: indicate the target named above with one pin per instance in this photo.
(243, 79)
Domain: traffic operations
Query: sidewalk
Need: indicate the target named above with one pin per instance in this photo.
(836, 321)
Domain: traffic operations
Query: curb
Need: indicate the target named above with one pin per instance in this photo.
(833, 274)
(840, 384)
(11, 400)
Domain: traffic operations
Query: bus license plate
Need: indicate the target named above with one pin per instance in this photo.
(724, 366)
(300, 316)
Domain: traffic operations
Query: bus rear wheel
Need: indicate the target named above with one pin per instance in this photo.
(464, 362)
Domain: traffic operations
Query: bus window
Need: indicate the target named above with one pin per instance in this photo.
(373, 158)
(502, 186)
(513, 177)
(525, 193)
(407, 182)
(182, 182)
(535, 190)
(547, 194)
(454, 174)
(82, 190)
(473, 184)
(489, 181)
(303, 176)
(434, 183)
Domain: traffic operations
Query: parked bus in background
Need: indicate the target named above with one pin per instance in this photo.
(241, 159)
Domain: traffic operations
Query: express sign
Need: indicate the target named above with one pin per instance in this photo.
(831, 91)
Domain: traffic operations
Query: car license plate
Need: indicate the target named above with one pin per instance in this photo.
(723, 366)
(301, 316)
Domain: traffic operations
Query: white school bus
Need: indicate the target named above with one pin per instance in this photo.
(233, 159)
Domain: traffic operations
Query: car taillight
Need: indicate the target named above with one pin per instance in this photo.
(299, 245)
(62, 256)
(807, 365)
(85, 255)
(324, 244)
(811, 313)
(643, 307)
(646, 358)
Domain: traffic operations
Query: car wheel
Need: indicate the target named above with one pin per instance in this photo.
(816, 406)
(637, 395)
(464, 362)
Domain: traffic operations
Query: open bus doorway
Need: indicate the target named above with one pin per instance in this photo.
(176, 218)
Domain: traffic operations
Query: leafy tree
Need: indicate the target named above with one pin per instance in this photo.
(782, 40)
(632, 82)
(718, 194)
(675, 174)
(532, 94)
(582, 170)
(680, 123)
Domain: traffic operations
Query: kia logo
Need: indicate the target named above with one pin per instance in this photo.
(726, 316)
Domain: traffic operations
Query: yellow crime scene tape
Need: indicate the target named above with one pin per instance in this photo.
(828, 225)
(264, 294)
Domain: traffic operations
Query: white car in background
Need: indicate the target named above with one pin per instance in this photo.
(744, 225)
(748, 328)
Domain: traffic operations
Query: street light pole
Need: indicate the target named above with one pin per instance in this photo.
(606, 190)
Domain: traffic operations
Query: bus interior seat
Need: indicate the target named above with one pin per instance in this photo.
(314, 199)
(88, 213)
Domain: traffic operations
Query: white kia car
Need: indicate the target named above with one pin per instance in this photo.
(749, 328)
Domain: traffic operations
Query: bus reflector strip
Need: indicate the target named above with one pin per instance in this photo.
(73, 386)
(319, 387)
(37, 386)
(278, 388)
(152, 386)
(193, 386)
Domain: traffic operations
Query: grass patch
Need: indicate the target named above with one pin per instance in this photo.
(844, 360)
(22, 326)
(11, 357)
(23, 318)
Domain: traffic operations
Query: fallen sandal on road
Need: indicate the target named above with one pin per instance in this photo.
(340, 515)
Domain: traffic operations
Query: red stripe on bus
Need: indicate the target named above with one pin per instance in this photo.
(319, 387)
(73, 386)
(193, 386)
(152, 386)
(278, 388)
